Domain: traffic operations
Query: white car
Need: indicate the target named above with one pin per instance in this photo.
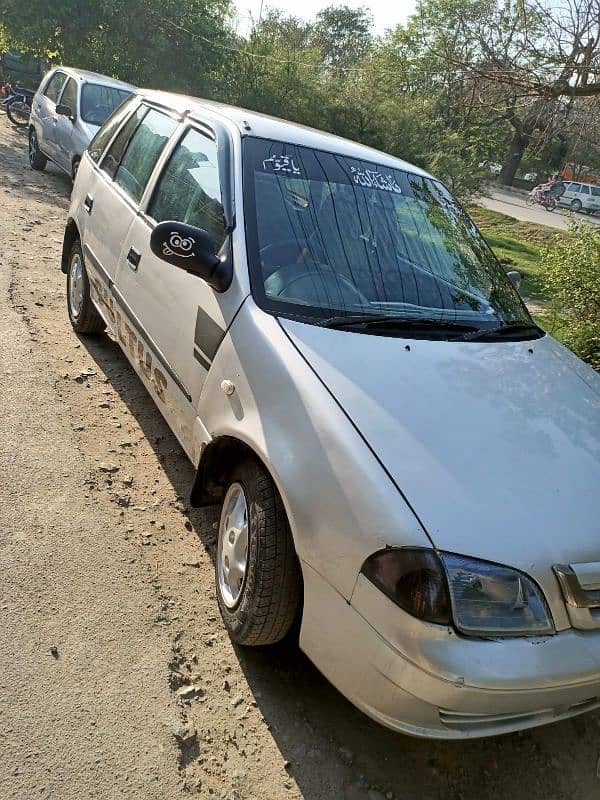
(402, 458)
(67, 110)
(580, 196)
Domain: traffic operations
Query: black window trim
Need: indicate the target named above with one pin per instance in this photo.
(62, 91)
(108, 145)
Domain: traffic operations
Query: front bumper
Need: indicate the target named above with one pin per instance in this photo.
(425, 680)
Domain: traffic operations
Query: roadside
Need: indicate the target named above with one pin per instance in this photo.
(513, 204)
(103, 559)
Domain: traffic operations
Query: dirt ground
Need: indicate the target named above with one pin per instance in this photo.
(117, 678)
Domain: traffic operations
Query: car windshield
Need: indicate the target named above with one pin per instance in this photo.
(98, 102)
(330, 235)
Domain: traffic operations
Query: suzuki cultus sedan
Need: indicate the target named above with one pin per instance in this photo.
(402, 457)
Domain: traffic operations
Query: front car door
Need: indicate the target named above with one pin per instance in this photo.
(183, 318)
(64, 126)
(46, 112)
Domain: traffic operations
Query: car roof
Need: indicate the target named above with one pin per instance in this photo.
(252, 123)
(86, 76)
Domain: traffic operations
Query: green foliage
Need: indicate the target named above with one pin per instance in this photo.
(572, 278)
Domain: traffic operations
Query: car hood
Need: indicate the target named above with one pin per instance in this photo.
(496, 446)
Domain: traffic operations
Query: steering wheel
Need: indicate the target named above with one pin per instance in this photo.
(314, 283)
(285, 252)
(99, 113)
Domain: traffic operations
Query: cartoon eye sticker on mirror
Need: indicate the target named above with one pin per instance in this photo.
(178, 245)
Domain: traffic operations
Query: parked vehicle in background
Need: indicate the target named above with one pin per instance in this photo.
(402, 457)
(68, 109)
(492, 166)
(530, 176)
(581, 197)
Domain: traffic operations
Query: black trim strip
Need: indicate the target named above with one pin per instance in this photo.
(208, 334)
(137, 324)
(200, 357)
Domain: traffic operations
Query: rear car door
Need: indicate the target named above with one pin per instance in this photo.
(64, 126)
(178, 313)
(595, 198)
(46, 113)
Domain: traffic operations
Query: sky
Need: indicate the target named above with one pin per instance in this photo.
(386, 13)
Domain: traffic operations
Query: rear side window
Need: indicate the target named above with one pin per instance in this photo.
(575, 187)
(595, 191)
(142, 152)
(585, 189)
(113, 157)
(69, 95)
(189, 188)
(108, 130)
(54, 86)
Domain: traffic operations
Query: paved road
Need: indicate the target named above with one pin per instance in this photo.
(513, 204)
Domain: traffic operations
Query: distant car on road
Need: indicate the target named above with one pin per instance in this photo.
(68, 109)
(492, 166)
(581, 197)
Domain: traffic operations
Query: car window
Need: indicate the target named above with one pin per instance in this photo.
(54, 86)
(108, 130)
(575, 187)
(595, 191)
(69, 95)
(112, 159)
(142, 152)
(585, 189)
(189, 188)
(98, 102)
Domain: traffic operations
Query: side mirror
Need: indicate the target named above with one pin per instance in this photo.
(65, 111)
(191, 249)
(515, 278)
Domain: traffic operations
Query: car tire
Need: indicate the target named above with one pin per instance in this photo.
(82, 312)
(259, 600)
(37, 160)
(575, 205)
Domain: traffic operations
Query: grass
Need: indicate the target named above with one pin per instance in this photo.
(517, 245)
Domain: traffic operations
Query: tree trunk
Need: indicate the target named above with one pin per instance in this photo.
(511, 165)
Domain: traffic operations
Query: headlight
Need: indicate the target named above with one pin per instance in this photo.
(490, 600)
(414, 580)
(481, 598)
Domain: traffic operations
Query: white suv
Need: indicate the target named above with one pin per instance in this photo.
(67, 110)
(581, 197)
(401, 457)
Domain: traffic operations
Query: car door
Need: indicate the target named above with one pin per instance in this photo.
(571, 193)
(109, 206)
(64, 126)
(178, 313)
(595, 198)
(46, 112)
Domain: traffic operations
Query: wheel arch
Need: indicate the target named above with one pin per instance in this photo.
(71, 236)
(216, 460)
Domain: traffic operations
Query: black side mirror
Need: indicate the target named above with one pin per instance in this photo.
(65, 111)
(515, 278)
(191, 249)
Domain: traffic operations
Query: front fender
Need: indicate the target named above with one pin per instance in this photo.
(341, 504)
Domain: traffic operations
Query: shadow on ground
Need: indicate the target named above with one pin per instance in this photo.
(327, 732)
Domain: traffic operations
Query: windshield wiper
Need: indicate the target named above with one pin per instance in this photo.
(501, 330)
(367, 321)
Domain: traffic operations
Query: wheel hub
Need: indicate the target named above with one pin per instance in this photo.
(232, 549)
(76, 285)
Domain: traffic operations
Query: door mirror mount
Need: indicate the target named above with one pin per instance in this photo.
(515, 278)
(193, 250)
(65, 111)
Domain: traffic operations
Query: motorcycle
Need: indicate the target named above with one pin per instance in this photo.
(18, 107)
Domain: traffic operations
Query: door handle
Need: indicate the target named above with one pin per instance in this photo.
(133, 258)
(88, 203)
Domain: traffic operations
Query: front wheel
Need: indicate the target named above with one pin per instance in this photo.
(82, 312)
(37, 160)
(259, 583)
(550, 204)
